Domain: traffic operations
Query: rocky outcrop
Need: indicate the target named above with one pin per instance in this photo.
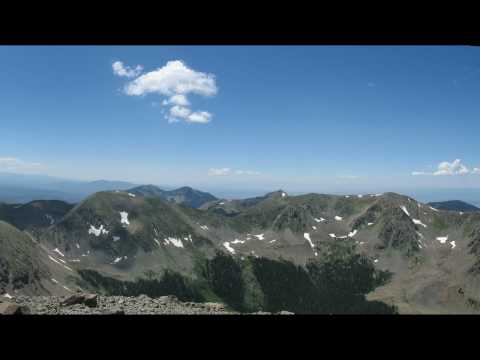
(80, 304)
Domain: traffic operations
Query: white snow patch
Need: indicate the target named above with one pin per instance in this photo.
(342, 237)
(420, 234)
(352, 233)
(124, 218)
(78, 246)
(222, 203)
(375, 261)
(347, 196)
(50, 218)
(319, 220)
(131, 195)
(453, 244)
(75, 260)
(272, 241)
(54, 280)
(283, 194)
(59, 263)
(236, 241)
(117, 260)
(332, 235)
(8, 296)
(338, 218)
(175, 242)
(418, 222)
(316, 253)
(66, 288)
(97, 232)
(405, 210)
(434, 209)
(58, 252)
(361, 243)
(314, 227)
(116, 238)
(204, 227)
(370, 224)
(226, 244)
(260, 236)
(188, 238)
(158, 242)
(442, 239)
(307, 236)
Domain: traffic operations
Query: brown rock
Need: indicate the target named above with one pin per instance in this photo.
(8, 308)
(90, 300)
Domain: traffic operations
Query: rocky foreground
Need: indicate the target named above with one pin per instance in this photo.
(92, 304)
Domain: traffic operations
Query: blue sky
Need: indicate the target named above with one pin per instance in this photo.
(312, 118)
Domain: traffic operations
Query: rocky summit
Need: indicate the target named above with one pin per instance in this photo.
(82, 304)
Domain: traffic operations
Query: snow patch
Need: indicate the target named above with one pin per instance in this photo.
(59, 263)
(418, 222)
(124, 218)
(283, 194)
(236, 241)
(158, 242)
(319, 220)
(116, 238)
(226, 244)
(204, 227)
(453, 244)
(117, 260)
(272, 241)
(58, 252)
(175, 242)
(442, 239)
(54, 280)
(307, 236)
(8, 296)
(260, 236)
(338, 218)
(314, 227)
(375, 261)
(359, 196)
(405, 210)
(433, 209)
(332, 235)
(131, 195)
(352, 233)
(78, 246)
(370, 224)
(97, 232)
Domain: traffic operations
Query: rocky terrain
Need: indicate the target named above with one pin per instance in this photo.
(91, 304)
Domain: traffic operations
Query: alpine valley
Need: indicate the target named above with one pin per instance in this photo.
(314, 253)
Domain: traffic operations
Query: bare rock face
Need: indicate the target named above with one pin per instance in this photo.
(8, 308)
(90, 300)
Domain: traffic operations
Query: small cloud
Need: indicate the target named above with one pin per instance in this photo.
(229, 171)
(125, 71)
(448, 168)
(371, 84)
(219, 172)
(476, 171)
(15, 164)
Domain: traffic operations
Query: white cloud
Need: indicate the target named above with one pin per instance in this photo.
(371, 84)
(176, 80)
(202, 117)
(476, 171)
(178, 99)
(15, 164)
(125, 71)
(449, 168)
(219, 172)
(173, 78)
(229, 171)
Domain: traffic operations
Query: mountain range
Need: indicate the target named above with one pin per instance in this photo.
(312, 253)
